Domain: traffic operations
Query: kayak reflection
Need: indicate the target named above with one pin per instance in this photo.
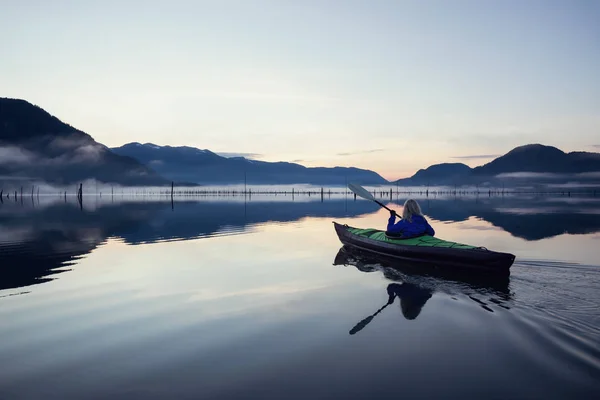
(412, 299)
(414, 285)
(422, 275)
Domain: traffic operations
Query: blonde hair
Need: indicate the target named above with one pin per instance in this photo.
(411, 207)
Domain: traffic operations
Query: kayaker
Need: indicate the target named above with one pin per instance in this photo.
(412, 223)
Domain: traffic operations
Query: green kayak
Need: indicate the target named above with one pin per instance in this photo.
(425, 249)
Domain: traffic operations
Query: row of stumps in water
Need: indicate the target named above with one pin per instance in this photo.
(15, 196)
(293, 192)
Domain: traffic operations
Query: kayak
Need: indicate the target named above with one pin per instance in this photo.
(426, 249)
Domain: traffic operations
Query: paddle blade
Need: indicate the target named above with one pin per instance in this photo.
(361, 191)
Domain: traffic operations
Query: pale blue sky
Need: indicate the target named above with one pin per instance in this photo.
(388, 85)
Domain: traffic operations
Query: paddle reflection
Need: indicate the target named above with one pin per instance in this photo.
(412, 299)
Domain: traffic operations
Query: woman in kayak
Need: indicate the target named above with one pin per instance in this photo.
(412, 223)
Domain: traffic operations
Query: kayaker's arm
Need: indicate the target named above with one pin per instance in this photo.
(429, 231)
(392, 220)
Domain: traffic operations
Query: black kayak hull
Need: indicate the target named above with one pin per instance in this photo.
(477, 260)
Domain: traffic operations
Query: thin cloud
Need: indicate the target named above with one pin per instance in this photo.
(595, 174)
(245, 155)
(15, 155)
(360, 152)
(596, 146)
(477, 156)
(531, 175)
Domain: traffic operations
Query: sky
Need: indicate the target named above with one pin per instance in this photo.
(391, 86)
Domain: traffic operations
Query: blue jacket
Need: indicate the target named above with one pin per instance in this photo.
(417, 227)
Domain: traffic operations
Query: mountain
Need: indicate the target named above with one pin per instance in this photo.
(190, 164)
(542, 159)
(438, 174)
(36, 146)
(532, 163)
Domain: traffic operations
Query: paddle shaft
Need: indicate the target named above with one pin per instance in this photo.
(384, 206)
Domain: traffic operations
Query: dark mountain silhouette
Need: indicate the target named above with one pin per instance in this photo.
(540, 158)
(190, 164)
(529, 164)
(438, 174)
(35, 145)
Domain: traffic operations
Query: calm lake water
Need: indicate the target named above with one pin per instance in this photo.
(221, 298)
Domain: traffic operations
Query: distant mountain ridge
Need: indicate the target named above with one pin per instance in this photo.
(205, 167)
(438, 174)
(35, 145)
(541, 158)
(535, 162)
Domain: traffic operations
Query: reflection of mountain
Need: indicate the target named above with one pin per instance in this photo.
(37, 242)
(526, 218)
(34, 243)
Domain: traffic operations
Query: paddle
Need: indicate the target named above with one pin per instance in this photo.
(364, 193)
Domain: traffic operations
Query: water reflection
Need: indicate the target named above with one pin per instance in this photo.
(36, 243)
(39, 240)
(529, 218)
(418, 283)
(420, 274)
(412, 299)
